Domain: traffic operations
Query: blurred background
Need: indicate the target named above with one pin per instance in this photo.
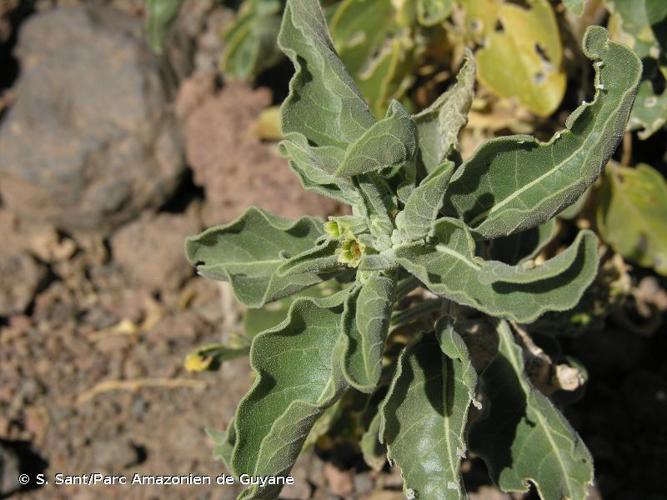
(125, 128)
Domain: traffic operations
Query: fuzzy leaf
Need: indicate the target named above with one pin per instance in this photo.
(425, 412)
(250, 43)
(514, 183)
(519, 247)
(161, 14)
(315, 167)
(297, 380)
(432, 12)
(371, 447)
(391, 142)
(638, 195)
(523, 437)
(263, 257)
(324, 104)
(521, 51)
(365, 327)
(423, 205)
(451, 269)
(438, 126)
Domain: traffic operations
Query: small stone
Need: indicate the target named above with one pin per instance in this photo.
(340, 482)
(9, 471)
(21, 277)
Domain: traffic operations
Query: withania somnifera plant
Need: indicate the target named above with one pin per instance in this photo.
(466, 231)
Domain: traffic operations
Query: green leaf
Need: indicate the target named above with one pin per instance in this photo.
(423, 205)
(223, 444)
(576, 7)
(519, 247)
(514, 183)
(297, 380)
(250, 43)
(649, 113)
(315, 167)
(371, 448)
(257, 320)
(324, 104)
(527, 272)
(432, 12)
(161, 14)
(450, 268)
(521, 51)
(632, 214)
(523, 437)
(425, 412)
(390, 142)
(263, 257)
(438, 126)
(365, 326)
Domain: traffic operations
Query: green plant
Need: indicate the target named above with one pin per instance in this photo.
(420, 217)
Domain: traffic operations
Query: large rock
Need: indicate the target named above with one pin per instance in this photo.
(89, 142)
(233, 166)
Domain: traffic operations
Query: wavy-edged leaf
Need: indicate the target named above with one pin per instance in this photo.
(324, 103)
(250, 43)
(365, 326)
(451, 269)
(263, 257)
(519, 247)
(432, 12)
(390, 142)
(316, 166)
(223, 444)
(521, 52)
(523, 438)
(632, 213)
(425, 412)
(514, 183)
(423, 205)
(298, 378)
(438, 126)
(371, 448)
(528, 273)
(161, 14)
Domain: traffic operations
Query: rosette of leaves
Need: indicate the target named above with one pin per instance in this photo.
(419, 217)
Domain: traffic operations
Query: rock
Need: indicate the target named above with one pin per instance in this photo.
(234, 167)
(340, 481)
(9, 471)
(21, 277)
(89, 142)
(150, 249)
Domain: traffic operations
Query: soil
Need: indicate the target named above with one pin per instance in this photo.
(92, 341)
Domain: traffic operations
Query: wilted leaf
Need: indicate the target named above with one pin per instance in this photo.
(514, 183)
(522, 437)
(438, 126)
(425, 412)
(521, 52)
(297, 380)
(451, 269)
(632, 214)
